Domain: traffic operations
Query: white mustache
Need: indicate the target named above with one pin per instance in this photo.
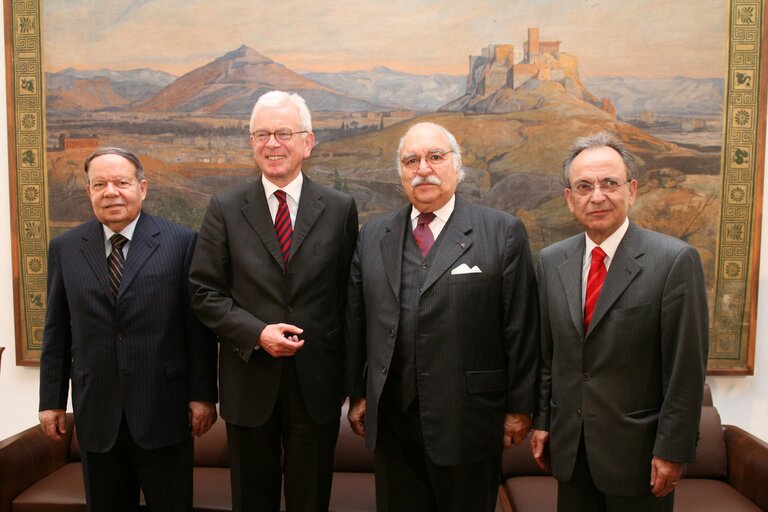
(430, 179)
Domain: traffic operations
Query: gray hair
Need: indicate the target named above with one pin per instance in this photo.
(277, 99)
(128, 155)
(599, 140)
(451, 141)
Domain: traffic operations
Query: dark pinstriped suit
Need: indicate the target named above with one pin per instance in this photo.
(477, 349)
(143, 356)
(634, 381)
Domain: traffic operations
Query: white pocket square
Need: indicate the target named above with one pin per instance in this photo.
(464, 269)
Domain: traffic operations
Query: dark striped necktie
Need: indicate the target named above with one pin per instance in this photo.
(283, 225)
(116, 261)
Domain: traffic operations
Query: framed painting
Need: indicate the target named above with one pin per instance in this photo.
(682, 83)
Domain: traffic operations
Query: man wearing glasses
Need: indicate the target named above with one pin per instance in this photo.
(624, 345)
(269, 277)
(442, 348)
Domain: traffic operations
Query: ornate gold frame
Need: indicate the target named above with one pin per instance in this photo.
(732, 344)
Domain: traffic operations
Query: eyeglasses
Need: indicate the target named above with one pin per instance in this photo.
(606, 186)
(262, 136)
(434, 159)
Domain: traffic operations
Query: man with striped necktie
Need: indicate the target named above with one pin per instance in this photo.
(269, 277)
(120, 326)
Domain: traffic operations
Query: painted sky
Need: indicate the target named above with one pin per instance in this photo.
(645, 38)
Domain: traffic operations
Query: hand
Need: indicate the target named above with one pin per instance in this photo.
(202, 416)
(54, 423)
(356, 416)
(540, 449)
(664, 476)
(281, 340)
(516, 428)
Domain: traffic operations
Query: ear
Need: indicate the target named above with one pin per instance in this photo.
(632, 192)
(143, 188)
(309, 143)
(569, 199)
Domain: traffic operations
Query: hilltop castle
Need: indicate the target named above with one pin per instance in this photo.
(499, 67)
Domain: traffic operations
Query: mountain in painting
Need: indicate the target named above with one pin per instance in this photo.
(232, 83)
(396, 89)
(103, 89)
(674, 96)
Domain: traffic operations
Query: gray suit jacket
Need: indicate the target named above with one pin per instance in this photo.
(634, 381)
(478, 333)
(143, 354)
(239, 284)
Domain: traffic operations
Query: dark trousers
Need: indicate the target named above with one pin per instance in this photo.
(113, 479)
(307, 447)
(581, 495)
(408, 481)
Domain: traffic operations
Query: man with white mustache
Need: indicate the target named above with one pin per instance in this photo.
(442, 343)
(269, 277)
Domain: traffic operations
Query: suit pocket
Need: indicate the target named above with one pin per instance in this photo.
(322, 248)
(631, 312)
(643, 414)
(486, 381)
(333, 338)
(176, 368)
(473, 277)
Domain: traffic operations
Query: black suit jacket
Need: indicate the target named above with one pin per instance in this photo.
(634, 381)
(477, 348)
(143, 355)
(240, 284)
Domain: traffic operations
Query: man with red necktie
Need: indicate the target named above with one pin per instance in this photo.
(624, 326)
(269, 277)
(443, 337)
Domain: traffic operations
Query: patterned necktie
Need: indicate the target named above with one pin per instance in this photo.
(423, 235)
(283, 225)
(116, 261)
(594, 284)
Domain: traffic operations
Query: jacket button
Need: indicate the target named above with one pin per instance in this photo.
(119, 336)
(290, 309)
(384, 369)
(578, 413)
(586, 375)
(391, 333)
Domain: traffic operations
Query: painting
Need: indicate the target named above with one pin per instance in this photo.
(682, 83)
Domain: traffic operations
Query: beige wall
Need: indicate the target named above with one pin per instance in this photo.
(741, 401)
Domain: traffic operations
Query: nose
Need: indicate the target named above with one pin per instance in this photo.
(272, 141)
(424, 167)
(110, 189)
(597, 194)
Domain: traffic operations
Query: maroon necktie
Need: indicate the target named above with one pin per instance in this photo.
(283, 225)
(594, 284)
(423, 235)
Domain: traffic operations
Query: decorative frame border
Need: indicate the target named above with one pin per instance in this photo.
(732, 335)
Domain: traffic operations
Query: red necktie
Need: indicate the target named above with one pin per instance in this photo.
(283, 225)
(594, 284)
(423, 235)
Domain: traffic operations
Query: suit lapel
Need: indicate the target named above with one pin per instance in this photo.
(392, 248)
(143, 245)
(256, 213)
(624, 269)
(570, 276)
(311, 205)
(454, 243)
(94, 253)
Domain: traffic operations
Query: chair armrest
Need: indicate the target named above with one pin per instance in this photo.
(28, 457)
(747, 464)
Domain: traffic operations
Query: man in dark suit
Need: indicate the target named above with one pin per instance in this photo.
(443, 337)
(269, 276)
(624, 345)
(120, 326)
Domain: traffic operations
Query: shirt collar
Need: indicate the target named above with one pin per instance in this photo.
(293, 189)
(611, 244)
(443, 213)
(127, 231)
